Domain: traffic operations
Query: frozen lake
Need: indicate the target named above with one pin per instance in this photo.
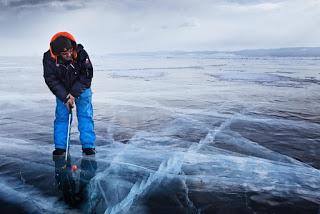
(176, 133)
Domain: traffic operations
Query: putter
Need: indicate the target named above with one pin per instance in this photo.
(68, 136)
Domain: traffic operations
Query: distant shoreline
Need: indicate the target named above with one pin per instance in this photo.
(273, 52)
(281, 52)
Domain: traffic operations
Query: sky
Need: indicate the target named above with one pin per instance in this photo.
(119, 26)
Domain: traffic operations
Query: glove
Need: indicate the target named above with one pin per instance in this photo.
(70, 102)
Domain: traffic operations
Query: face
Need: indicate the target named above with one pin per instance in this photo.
(67, 55)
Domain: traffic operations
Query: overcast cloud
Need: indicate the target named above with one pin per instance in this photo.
(152, 25)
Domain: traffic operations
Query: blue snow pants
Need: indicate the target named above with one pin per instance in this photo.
(85, 121)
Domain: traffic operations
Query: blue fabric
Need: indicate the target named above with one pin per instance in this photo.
(85, 121)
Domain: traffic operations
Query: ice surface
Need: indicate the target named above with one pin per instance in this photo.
(176, 133)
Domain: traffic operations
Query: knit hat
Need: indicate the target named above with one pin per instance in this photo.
(60, 44)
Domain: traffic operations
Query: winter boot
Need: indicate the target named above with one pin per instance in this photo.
(58, 151)
(89, 151)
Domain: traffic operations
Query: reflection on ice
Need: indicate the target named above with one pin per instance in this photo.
(72, 182)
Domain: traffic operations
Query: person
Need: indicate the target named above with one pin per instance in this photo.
(68, 72)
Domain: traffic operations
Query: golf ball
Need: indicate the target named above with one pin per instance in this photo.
(74, 168)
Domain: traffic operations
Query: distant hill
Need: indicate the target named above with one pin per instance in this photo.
(277, 52)
(281, 52)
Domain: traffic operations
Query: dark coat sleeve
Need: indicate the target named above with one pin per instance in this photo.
(86, 74)
(54, 84)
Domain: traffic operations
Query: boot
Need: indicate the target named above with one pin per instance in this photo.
(58, 151)
(89, 151)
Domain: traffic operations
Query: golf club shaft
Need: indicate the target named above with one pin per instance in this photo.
(68, 135)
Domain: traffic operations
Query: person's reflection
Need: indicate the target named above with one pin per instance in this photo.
(73, 182)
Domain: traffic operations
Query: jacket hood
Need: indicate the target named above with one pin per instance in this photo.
(68, 36)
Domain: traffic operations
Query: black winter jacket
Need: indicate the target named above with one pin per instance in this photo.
(72, 78)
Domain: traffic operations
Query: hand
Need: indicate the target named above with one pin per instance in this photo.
(70, 102)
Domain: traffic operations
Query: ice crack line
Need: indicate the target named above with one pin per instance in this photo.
(95, 183)
(172, 167)
(211, 136)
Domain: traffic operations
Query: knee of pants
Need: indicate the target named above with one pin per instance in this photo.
(61, 113)
(84, 105)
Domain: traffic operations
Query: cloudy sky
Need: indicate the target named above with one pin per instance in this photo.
(114, 26)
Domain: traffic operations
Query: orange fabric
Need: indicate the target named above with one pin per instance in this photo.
(67, 35)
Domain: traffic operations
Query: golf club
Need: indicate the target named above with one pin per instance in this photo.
(68, 136)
